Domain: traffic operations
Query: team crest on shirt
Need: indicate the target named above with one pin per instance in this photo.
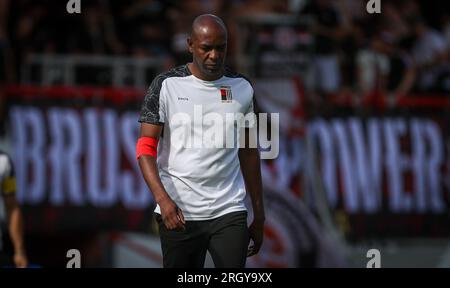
(225, 94)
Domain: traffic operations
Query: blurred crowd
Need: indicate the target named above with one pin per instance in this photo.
(402, 50)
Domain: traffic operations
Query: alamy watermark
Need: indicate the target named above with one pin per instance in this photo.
(73, 6)
(214, 130)
(375, 258)
(373, 6)
(75, 258)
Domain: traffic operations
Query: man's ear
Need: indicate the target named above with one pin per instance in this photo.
(190, 45)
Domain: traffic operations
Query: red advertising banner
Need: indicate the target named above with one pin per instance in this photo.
(381, 173)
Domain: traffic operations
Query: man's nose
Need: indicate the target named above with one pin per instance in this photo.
(214, 54)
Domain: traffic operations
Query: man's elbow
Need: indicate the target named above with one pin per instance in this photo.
(11, 203)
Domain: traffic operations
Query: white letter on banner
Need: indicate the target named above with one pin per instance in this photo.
(102, 156)
(347, 168)
(363, 167)
(65, 157)
(320, 129)
(56, 135)
(396, 163)
(28, 126)
(418, 160)
(433, 165)
(375, 140)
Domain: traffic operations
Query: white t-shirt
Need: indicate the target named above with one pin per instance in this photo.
(203, 177)
(369, 62)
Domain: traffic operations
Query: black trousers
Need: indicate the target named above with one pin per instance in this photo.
(226, 238)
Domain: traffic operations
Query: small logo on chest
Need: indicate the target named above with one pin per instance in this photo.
(225, 94)
(183, 98)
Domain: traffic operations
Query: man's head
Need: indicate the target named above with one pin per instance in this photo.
(208, 45)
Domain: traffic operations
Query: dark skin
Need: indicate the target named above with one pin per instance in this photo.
(15, 220)
(251, 171)
(208, 45)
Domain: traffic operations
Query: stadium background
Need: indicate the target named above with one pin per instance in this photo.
(363, 101)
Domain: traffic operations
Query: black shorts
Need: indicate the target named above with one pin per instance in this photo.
(226, 238)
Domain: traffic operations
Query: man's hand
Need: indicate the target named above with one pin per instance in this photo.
(251, 171)
(20, 260)
(256, 231)
(172, 216)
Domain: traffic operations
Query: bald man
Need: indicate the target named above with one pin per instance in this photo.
(191, 160)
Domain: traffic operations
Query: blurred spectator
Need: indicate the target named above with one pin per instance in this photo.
(446, 29)
(373, 66)
(32, 33)
(6, 67)
(147, 28)
(352, 15)
(96, 32)
(395, 17)
(239, 37)
(159, 29)
(429, 53)
(13, 212)
(328, 31)
(260, 7)
(446, 33)
(402, 70)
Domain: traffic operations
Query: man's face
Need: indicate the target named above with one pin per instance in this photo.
(208, 47)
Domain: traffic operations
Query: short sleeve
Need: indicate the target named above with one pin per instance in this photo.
(250, 114)
(152, 109)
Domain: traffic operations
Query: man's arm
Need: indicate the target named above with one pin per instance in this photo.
(172, 215)
(251, 171)
(15, 224)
